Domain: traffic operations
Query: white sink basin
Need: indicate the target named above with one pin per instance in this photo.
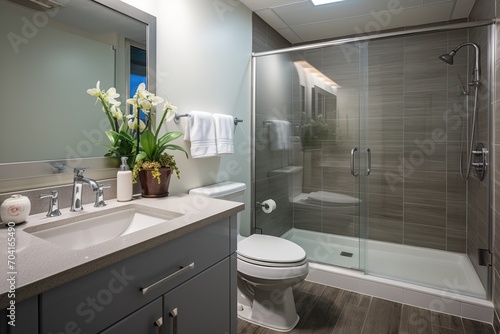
(97, 227)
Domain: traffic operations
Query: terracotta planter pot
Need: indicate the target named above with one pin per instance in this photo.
(150, 186)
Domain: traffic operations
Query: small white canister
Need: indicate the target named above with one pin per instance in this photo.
(15, 209)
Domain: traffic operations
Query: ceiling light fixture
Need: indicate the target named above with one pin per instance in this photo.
(317, 73)
(324, 2)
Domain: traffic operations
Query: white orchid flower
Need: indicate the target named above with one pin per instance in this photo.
(132, 124)
(141, 92)
(171, 111)
(155, 100)
(144, 104)
(170, 115)
(111, 94)
(111, 100)
(95, 91)
(115, 111)
(131, 102)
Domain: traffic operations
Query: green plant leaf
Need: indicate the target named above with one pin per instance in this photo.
(112, 136)
(168, 137)
(148, 144)
(176, 148)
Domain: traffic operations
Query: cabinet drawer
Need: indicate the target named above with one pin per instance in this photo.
(96, 301)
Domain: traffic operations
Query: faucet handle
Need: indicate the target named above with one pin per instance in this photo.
(99, 195)
(53, 204)
(79, 171)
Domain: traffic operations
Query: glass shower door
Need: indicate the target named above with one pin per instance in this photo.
(315, 179)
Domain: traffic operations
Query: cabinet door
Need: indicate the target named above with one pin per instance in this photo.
(146, 320)
(202, 304)
(25, 318)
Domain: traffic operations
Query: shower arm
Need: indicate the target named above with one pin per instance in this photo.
(476, 73)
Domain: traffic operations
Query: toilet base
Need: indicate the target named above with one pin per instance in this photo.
(270, 308)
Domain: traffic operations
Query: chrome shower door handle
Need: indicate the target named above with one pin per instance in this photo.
(353, 171)
(368, 161)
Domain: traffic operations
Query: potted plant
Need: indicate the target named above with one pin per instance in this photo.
(121, 137)
(153, 165)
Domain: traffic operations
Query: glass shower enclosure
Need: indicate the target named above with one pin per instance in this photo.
(359, 144)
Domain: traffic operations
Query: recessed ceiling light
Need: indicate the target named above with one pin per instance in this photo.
(324, 2)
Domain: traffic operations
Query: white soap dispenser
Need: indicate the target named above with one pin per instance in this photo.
(124, 182)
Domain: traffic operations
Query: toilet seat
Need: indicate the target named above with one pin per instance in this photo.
(267, 274)
(269, 251)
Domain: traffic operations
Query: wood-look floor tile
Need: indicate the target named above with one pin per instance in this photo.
(383, 317)
(323, 315)
(415, 320)
(306, 296)
(245, 327)
(351, 320)
(324, 309)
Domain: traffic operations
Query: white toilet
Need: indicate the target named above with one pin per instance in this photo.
(268, 267)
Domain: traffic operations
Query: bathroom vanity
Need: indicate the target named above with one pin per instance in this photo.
(178, 276)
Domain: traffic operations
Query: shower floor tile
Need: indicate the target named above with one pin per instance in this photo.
(324, 309)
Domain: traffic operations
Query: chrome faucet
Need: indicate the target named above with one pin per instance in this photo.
(54, 203)
(78, 181)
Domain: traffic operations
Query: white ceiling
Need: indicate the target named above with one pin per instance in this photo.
(300, 21)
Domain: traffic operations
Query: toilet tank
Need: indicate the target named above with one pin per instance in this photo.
(228, 190)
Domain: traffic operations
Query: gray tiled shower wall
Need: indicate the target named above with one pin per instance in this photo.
(414, 100)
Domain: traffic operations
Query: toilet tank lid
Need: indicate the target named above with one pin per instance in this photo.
(219, 189)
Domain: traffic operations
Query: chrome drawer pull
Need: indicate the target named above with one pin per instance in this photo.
(159, 324)
(173, 315)
(168, 278)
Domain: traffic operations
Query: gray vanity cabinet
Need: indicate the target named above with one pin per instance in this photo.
(26, 318)
(146, 320)
(202, 304)
(194, 273)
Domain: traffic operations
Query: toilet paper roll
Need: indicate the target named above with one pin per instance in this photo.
(268, 206)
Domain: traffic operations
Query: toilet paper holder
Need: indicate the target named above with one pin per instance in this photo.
(261, 205)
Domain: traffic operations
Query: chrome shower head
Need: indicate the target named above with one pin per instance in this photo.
(448, 57)
(476, 73)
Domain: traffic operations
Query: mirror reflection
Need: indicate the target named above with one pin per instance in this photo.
(318, 96)
(49, 60)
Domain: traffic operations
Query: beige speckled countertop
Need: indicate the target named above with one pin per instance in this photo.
(42, 265)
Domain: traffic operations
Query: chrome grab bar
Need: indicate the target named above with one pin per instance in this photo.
(369, 161)
(353, 172)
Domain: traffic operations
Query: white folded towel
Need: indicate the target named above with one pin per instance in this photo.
(224, 128)
(200, 131)
(279, 135)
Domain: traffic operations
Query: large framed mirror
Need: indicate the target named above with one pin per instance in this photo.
(49, 58)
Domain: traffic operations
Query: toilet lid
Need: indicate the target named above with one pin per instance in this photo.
(265, 248)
